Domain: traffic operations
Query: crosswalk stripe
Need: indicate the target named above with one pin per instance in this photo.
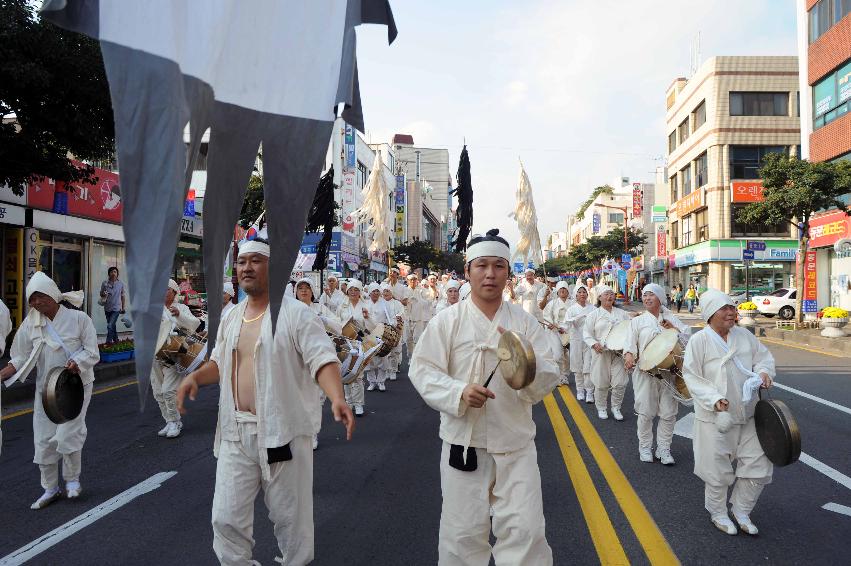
(606, 542)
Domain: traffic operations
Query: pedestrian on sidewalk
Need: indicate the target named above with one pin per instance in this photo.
(691, 297)
(112, 299)
(678, 297)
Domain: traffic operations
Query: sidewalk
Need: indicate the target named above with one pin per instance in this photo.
(104, 373)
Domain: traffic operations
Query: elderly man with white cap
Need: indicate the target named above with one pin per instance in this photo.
(376, 314)
(724, 366)
(488, 467)
(607, 369)
(652, 397)
(421, 302)
(332, 297)
(526, 292)
(267, 398)
(165, 378)
(555, 316)
(394, 315)
(580, 352)
(453, 295)
(355, 310)
(592, 291)
(547, 293)
(228, 295)
(54, 336)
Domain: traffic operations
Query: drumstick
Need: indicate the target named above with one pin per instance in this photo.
(492, 374)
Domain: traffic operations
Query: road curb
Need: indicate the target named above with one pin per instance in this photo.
(836, 346)
(104, 373)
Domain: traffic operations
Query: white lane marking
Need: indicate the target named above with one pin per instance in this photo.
(837, 508)
(830, 404)
(62, 532)
(685, 427)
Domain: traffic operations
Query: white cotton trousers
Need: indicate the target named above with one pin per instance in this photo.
(164, 383)
(510, 485)
(53, 441)
(653, 399)
(608, 373)
(415, 330)
(714, 455)
(288, 495)
(580, 364)
(354, 392)
(71, 468)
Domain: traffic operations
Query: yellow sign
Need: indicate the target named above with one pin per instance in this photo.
(13, 274)
(690, 203)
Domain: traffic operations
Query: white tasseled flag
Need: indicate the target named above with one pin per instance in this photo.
(375, 207)
(529, 246)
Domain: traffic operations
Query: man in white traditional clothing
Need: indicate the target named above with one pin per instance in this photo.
(376, 313)
(164, 378)
(421, 301)
(332, 297)
(607, 369)
(394, 315)
(652, 397)
(580, 352)
(54, 336)
(453, 296)
(267, 396)
(592, 291)
(508, 294)
(488, 467)
(555, 317)
(355, 309)
(228, 295)
(724, 366)
(547, 294)
(527, 293)
(400, 290)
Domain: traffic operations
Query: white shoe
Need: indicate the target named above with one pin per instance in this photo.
(48, 497)
(382, 387)
(665, 456)
(73, 489)
(371, 387)
(174, 429)
(580, 395)
(725, 525)
(589, 397)
(315, 441)
(392, 376)
(603, 414)
(616, 412)
(163, 430)
(645, 455)
(565, 380)
(358, 410)
(746, 525)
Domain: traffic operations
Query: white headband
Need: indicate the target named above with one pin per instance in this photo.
(488, 248)
(254, 247)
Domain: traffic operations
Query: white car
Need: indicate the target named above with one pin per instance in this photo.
(781, 302)
(738, 297)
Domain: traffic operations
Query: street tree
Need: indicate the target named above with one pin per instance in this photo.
(54, 100)
(417, 254)
(794, 190)
(602, 190)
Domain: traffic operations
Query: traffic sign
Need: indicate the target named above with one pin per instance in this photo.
(753, 245)
(747, 254)
(626, 265)
(626, 258)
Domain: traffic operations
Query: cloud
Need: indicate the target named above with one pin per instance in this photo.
(515, 92)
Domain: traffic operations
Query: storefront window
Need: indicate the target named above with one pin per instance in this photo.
(104, 256)
(762, 277)
(61, 258)
(188, 267)
(743, 229)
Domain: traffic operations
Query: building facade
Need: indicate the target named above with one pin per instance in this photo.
(720, 124)
(824, 48)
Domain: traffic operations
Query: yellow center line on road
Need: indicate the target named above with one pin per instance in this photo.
(606, 542)
(98, 392)
(652, 540)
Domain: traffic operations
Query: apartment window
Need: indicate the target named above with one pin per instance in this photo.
(615, 218)
(672, 141)
(672, 183)
(362, 175)
(832, 96)
(746, 160)
(685, 179)
(700, 114)
(743, 229)
(701, 221)
(825, 14)
(701, 170)
(687, 224)
(682, 129)
(759, 104)
(675, 235)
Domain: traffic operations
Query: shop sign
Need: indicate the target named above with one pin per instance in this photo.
(690, 203)
(8, 195)
(636, 200)
(30, 254)
(99, 201)
(661, 241)
(11, 214)
(595, 223)
(638, 264)
(13, 271)
(660, 213)
(399, 198)
(747, 191)
(350, 146)
(189, 204)
(192, 227)
(348, 204)
(826, 230)
(810, 283)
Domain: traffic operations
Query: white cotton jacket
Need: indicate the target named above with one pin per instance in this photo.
(332, 301)
(285, 369)
(527, 296)
(390, 310)
(459, 347)
(348, 312)
(645, 327)
(599, 323)
(184, 319)
(556, 312)
(421, 302)
(329, 319)
(708, 371)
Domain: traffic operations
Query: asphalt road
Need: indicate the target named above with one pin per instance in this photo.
(377, 498)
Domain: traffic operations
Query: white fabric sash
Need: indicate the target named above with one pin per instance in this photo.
(754, 381)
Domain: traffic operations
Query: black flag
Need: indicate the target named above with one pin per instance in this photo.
(464, 193)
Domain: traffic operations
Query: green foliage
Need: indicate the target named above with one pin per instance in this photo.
(795, 190)
(253, 205)
(116, 347)
(54, 82)
(421, 254)
(596, 249)
(604, 190)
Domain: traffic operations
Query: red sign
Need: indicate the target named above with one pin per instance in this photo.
(810, 288)
(747, 191)
(661, 241)
(690, 203)
(101, 201)
(826, 230)
(636, 200)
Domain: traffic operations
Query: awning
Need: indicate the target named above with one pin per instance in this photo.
(304, 262)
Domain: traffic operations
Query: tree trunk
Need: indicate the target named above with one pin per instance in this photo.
(803, 244)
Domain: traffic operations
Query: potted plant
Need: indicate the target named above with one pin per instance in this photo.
(117, 351)
(833, 319)
(747, 312)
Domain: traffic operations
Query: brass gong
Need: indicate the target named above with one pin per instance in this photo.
(516, 360)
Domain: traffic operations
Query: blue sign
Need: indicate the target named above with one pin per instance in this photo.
(626, 265)
(747, 254)
(626, 258)
(188, 208)
(518, 267)
(756, 246)
(351, 159)
(622, 279)
(810, 305)
(595, 223)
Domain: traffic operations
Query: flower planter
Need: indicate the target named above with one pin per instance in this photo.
(833, 327)
(109, 357)
(746, 318)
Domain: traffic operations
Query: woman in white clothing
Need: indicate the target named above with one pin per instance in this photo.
(555, 317)
(355, 309)
(580, 352)
(607, 370)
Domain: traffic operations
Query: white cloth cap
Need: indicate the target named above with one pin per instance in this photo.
(453, 284)
(562, 285)
(394, 270)
(412, 276)
(464, 290)
(657, 290)
(254, 247)
(356, 284)
(228, 288)
(386, 287)
(603, 289)
(711, 300)
(41, 283)
(578, 287)
(172, 284)
(373, 287)
(529, 270)
(309, 281)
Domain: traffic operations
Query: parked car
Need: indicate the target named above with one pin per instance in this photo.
(738, 297)
(781, 302)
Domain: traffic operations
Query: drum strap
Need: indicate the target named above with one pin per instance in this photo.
(754, 380)
(55, 336)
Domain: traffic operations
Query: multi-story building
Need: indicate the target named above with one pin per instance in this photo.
(656, 230)
(720, 124)
(824, 49)
(555, 245)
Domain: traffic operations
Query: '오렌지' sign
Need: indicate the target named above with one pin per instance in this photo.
(747, 191)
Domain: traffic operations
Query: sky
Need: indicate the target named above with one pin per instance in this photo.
(574, 89)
